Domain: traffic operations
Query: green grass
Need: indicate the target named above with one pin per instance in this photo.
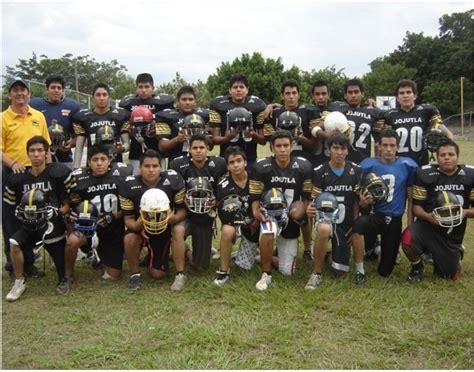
(387, 324)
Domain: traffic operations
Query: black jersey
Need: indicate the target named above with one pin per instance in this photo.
(294, 181)
(429, 180)
(220, 106)
(227, 186)
(344, 188)
(155, 103)
(168, 125)
(411, 126)
(52, 181)
(132, 189)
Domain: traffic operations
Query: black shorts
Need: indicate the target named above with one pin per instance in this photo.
(446, 252)
(27, 240)
(111, 248)
(292, 230)
(159, 249)
(341, 251)
(202, 235)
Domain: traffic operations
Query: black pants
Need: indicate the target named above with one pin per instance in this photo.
(390, 229)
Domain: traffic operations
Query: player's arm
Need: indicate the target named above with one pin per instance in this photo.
(258, 135)
(410, 217)
(80, 140)
(179, 212)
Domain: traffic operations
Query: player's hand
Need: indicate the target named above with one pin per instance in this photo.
(311, 210)
(17, 167)
(211, 203)
(118, 148)
(231, 133)
(365, 198)
(371, 102)
(66, 147)
(432, 219)
(268, 112)
(261, 215)
(181, 137)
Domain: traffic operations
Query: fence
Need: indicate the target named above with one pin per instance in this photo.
(466, 132)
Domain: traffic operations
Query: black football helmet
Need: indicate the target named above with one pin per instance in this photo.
(276, 206)
(289, 121)
(434, 137)
(198, 195)
(57, 135)
(193, 124)
(87, 217)
(142, 123)
(448, 209)
(33, 210)
(232, 210)
(106, 137)
(327, 206)
(241, 119)
(376, 186)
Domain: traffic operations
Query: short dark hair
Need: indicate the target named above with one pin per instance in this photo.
(144, 78)
(55, 79)
(100, 85)
(406, 83)
(338, 139)
(37, 139)
(292, 83)
(320, 83)
(389, 133)
(234, 151)
(280, 134)
(150, 153)
(356, 82)
(96, 149)
(187, 89)
(238, 77)
(448, 142)
(199, 137)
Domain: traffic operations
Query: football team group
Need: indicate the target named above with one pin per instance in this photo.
(341, 174)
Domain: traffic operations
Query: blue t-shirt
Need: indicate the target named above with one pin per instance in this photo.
(61, 112)
(398, 175)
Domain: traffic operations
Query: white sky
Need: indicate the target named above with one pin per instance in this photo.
(193, 38)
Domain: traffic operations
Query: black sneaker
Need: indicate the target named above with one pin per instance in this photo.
(359, 278)
(307, 256)
(145, 261)
(65, 286)
(33, 272)
(135, 282)
(416, 273)
(221, 278)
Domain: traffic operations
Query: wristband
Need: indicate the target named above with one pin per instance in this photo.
(315, 130)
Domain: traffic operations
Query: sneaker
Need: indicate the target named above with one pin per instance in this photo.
(359, 278)
(221, 278)
(108, 277)
(65, 286)
(33, 272)
(17, 290)
(264, 282)
(307, 256)
(179, 281)
(135, 282)
(215, 254)
(416, 273)
(427, 258)
(145, 261)
(314, 281)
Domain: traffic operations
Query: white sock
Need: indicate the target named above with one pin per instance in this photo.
(360, 267)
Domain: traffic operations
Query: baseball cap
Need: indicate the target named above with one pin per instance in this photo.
(18, 81)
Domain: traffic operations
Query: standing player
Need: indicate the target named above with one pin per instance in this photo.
(286, 179)
(144, 97)
(131, 192)
(97, 184)
(443, 199)
(22, 190)
(398, 174)
(59, 110)
(101, 122)
(341, 178)
(201, 174)
(220, 106)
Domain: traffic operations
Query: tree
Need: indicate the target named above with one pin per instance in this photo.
(334, 77)
(202, 95)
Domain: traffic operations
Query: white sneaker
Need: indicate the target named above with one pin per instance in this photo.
(221, 278)
(17, 290)
(215, 254)
(314, 281)
(263, 283)
(178, 283)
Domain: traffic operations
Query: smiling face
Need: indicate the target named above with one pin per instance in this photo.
(19, 95)
(55, 92)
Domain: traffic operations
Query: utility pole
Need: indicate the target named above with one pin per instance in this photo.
(462, 106)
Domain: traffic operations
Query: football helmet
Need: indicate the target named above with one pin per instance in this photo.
(337, 121)
(142, 123)
(241, 119)
(448, 210)
(198, 195)
(289, 121)
(434, 137)
(193, 124)
(155, 211)
(57, 135)
(232, 210)
(106, 138)
(376, 186)
(33, 210)
(87, 217)
(327, 208)
(276, 206)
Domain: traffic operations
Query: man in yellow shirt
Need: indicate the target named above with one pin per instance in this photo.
(20, 122)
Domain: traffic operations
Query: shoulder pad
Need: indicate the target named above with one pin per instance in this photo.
(171, 172)
(255, 104)
(164, 99)
(318, 167)
(469, 166)
(219, 103)
(78, 171)
(129, 178)
(59, 170)
(126, 101)
(427, 166)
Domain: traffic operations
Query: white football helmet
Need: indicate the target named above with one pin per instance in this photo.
(155, 211)
(337, 121)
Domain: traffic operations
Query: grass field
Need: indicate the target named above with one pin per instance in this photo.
(387, 324)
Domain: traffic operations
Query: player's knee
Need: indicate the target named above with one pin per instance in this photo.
(407, 238)
(227, 232)
(297, 211)
(323, 230)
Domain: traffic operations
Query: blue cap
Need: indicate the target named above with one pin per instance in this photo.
(18, 81)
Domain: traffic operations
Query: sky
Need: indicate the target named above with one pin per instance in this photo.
(194, 38)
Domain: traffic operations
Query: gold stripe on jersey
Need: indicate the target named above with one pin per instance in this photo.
(126, 204)
(256, 187)
(70, 182)
(215, 118)
(313, 123)
(471, 196)
(162, 129)
(260, 118)
(435, 120)
(125, 127)
(419, 192)
(179, 197)
(315, 191)
(78, 129)
(380, 125)
(307, 186)
(75, 198)
(10, 196)
(268, 129)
